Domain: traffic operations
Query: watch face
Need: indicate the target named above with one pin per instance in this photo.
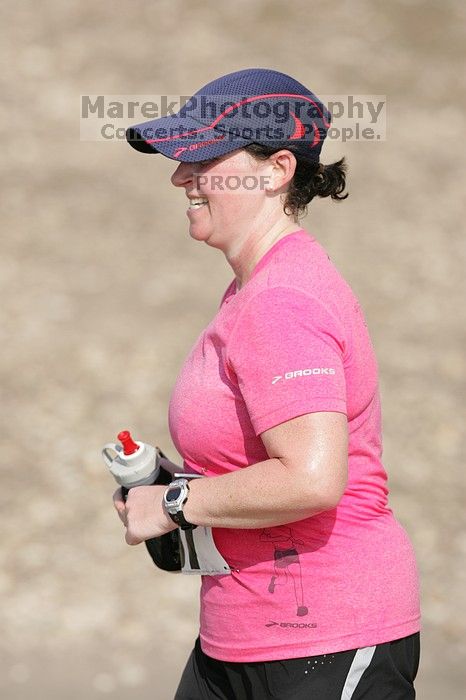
(173, 494)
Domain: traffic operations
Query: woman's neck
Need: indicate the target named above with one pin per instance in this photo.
(245, 259)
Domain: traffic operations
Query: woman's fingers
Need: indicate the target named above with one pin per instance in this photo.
(120, 506)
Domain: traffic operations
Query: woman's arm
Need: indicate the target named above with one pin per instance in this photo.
(305, 475)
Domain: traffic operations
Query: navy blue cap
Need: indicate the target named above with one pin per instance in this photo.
(256, 105)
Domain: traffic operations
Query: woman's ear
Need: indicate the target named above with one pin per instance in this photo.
(283, 166)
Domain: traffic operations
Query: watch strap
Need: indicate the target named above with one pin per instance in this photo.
(181, 521)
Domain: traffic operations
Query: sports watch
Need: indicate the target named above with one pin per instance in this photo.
(174, 499)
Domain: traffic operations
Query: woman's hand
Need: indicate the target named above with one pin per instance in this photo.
(143, 513)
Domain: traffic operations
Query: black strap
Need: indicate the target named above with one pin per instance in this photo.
(181, 521)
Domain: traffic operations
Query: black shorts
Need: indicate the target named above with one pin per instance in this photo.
(382, 672)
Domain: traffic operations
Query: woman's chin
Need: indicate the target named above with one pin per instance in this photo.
(200, 233)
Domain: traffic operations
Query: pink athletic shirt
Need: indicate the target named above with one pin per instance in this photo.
(291, 341)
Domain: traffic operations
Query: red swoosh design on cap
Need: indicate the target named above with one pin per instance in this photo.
(299, 131)
(316, 135)
(274, 94)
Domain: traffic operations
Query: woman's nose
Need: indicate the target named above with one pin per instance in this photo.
(182, 175)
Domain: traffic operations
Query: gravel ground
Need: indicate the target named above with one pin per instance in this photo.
(103, 293)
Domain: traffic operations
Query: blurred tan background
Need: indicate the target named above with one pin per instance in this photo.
(104, 292)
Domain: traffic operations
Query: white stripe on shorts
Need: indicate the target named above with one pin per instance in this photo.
(361, 661)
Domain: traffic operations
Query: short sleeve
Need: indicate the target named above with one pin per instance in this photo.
(286, 350)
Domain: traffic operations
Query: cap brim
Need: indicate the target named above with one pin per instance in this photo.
(183, 139)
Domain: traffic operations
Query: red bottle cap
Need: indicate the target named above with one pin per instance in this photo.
(129, 446)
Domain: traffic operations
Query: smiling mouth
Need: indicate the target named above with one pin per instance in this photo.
(197, 203)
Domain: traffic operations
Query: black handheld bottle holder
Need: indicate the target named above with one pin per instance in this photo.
(136, 464)
(189, 552)
(165, 551)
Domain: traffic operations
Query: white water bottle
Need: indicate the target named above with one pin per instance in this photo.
(136, 463)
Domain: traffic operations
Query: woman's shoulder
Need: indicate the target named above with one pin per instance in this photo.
(299, 273)
(312, 274)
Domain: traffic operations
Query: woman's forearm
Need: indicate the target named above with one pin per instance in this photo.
(261, 495)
